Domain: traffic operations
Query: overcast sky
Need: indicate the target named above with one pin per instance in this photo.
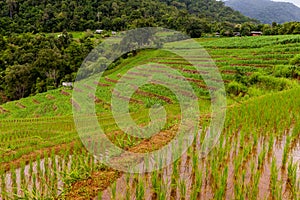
(296, 2)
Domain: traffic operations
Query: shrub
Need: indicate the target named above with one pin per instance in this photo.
(270, 82)
(295, 60)
(236, 88)
(286, 71)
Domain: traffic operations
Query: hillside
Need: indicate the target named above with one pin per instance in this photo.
(54, 16)
(247, 66)
(32, 60)
(148, 113)
(266, 11)
(43, 154)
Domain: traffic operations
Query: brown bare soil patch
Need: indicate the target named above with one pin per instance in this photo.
(175, 63)
(206, 87)
(55, 107)
(251, 65)
(50, 97)
(88, 87)
(118, 94)
(20, 105)
(194, 71)
(111, 80)
(101, 84)
(155, 71)
(228, 71)
(96, 99)
(65, 93)
(149, 94)
(128, 78)
(75, 104)
(139, 74)
(78, 90)
(35, 101)
(2, 110)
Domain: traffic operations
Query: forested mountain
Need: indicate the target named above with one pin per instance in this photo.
(57, 15)
(266, 11)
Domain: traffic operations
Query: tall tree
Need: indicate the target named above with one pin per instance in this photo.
(11, 6)
(18, 81)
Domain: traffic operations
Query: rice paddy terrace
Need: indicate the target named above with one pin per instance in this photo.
(257, 156)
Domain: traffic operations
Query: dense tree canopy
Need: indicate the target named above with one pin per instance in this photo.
(53, 16)
(35, 63)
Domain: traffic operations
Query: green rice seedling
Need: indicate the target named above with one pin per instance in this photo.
(99, 195)
(14, 180)
(34, 184)
(286, 151)
(198, 182)
(261, 157)
(43, 185)
(194, 193)
(220, 193)
(255, 138)
(174, 177)
(128, 186)
(114, 190)
(252, 167)
(3, 183)
(182, 189)
(255, 185)
(92, 162)
(30, 194)
(195, 162)
(22, 173)
(46, 166)
(55, 173)
(155, 181)
(38, 166)
(274, 179)
(243, 179)
(196, 188)
(246, 151)
(238, 191)
(271, 143)
(163, 190)
(30, 168)
(292, 178)
(242, 138)
(140, 189)
(66, 158)
(237, 164)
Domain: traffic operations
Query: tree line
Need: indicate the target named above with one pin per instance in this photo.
(21, 16)
(31, 64)
(228, 29)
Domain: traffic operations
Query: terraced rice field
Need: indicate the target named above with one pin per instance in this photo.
(256, 156)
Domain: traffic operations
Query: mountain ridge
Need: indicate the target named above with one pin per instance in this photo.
(266, 11)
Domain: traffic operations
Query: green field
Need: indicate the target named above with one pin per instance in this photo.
(256, 157)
